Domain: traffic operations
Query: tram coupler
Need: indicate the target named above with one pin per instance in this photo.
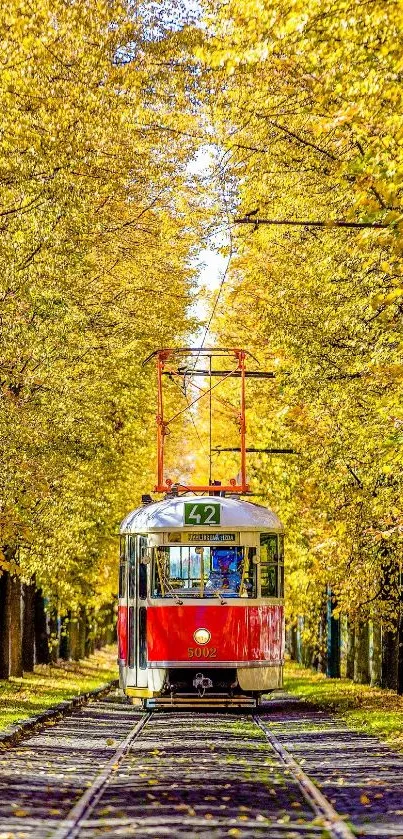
(202, 683)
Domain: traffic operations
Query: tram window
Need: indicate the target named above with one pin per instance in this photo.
(203, 572)
(268, 547)
(132, 566)
(268, 580)
(248, 579)
(269, 561)
(122, 568)
(142, 581)
(142, 568)
(122, 579)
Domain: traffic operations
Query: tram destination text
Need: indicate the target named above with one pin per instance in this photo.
(190, 538)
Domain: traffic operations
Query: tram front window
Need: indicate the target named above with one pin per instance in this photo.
(203, 572)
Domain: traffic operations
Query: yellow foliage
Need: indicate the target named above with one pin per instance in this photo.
(96, 272)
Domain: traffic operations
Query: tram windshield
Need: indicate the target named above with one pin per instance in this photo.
(191, 571)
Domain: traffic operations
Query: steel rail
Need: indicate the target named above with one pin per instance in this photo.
(320, 805)
(71, 825)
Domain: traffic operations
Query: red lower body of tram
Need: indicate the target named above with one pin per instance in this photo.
(207, 649)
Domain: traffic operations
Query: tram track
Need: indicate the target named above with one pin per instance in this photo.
(70, 827)
(336, 827)
(195, 763)
(199, 775)
(79, 817)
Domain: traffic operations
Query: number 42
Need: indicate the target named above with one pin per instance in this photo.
(208, 514)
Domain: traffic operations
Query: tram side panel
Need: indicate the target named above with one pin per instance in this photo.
(122, 627)
(134, 670)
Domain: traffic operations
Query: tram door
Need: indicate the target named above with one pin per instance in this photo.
(137, 612)
(123, 613)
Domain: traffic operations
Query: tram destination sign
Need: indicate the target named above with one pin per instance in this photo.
(202, 513)
(189, 538)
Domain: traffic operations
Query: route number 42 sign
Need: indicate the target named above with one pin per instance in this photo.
(202, 513)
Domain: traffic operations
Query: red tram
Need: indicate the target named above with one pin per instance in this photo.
(201, 584)
(201, 601)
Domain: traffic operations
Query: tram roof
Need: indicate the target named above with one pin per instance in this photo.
(169, 515)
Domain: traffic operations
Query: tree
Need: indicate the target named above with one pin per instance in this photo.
(96, 271)
(304, 99)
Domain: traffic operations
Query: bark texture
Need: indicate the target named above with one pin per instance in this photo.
(41, 633)
(376, 663)
(15, 627)
(4, 625)
(28, 627)
(361, 659)
(350, 650)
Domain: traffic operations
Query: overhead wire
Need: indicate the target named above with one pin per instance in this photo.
(190, 414)
(221, 286)
(207, 328)
(223, 278)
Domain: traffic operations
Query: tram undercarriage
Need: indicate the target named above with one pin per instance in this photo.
(201, 688)
(212, 687)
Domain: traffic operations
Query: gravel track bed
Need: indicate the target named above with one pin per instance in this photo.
(358, 774)
(198, 774)
(43, 776)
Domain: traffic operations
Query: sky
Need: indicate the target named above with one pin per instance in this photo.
(211, 265)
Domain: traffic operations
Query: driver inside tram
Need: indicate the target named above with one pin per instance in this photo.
(225, 574)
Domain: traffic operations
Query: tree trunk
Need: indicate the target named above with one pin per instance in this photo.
(321, 658)
(293, 643)
(4, 625)
(41, 634)
(391, 579)
(28, 627)
(333, 640)
(54, 635)
(376, 663)
(15, 627)
(74, 637)
(82, 632)
(400, 635)
(300, 629)
(389, 659)
(111, 629)
(350, 650)
(89, 636)
(65, 637)
(361, 659)
(400, 656)
(307, 651)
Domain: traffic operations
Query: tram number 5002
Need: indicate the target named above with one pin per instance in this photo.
(202, 652)
(202, 513)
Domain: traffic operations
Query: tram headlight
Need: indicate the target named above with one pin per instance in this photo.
(202, 636)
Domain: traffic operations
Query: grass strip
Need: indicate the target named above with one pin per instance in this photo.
(370, 709)
(49, 684)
